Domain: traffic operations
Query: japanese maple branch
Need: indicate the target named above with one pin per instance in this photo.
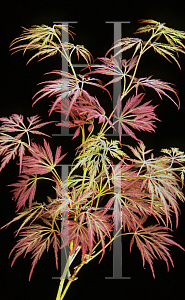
(142, 51)
(130, 86)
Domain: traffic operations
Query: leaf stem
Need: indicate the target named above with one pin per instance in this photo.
(71, 65)
(28, 136)
(125, 92)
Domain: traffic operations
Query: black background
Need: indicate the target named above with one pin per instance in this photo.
(18, 85)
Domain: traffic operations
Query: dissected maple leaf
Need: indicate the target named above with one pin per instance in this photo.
(76, 232)
(159, 86)
(30, 215)
(95, 154)
(147, 28)
(99, 224)
(81, 198)
(172, 36)
(15, 124)
(24, 190)
(67, 86)
(176, 155)
(117, 212)
(152, 243)
(160, 180)
(45, 39)
(122, 174)
(10, 146)
(132, 201)
(129, 64)
(36, 239)
(129, 209)
(139, 117)
(113, 68)
(41, 159)
(110, 67)
(125, 44)
(165, 188)
(80, 50)
(84, 111)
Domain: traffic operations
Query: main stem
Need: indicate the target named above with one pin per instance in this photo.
(66, 270)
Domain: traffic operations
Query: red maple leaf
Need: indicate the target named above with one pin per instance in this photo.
(153, 242)
(41, 160)
(36, 239)
(140, 117)
(24, 190)
(10, 145)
